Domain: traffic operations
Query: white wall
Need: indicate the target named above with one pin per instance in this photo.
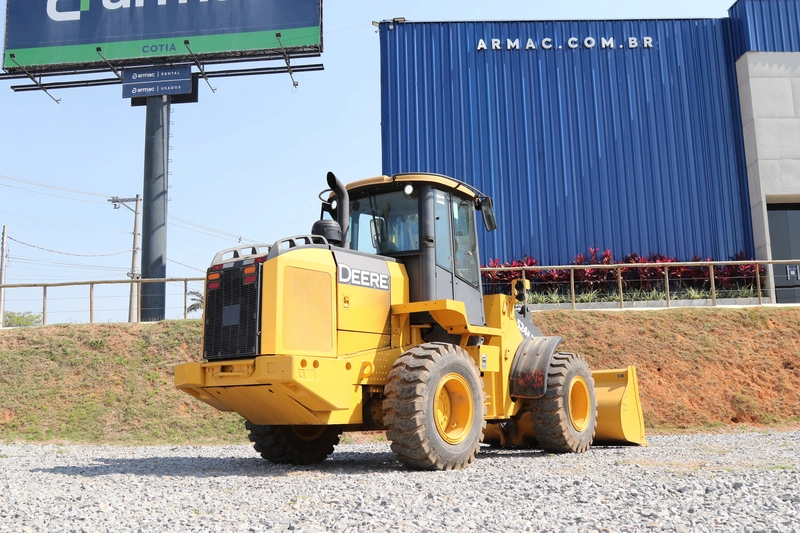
(769, 95)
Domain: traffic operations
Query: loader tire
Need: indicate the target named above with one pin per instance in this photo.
(434, 411)
(565, 418)
(295, 445)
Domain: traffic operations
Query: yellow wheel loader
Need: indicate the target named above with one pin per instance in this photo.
(377, 320)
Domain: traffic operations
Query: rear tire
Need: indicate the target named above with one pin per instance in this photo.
(434, 411)
(296, 445)
(565, 418)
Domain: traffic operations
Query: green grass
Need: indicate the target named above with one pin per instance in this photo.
(108, 383)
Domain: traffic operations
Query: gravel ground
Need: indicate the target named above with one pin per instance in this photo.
(729, 482)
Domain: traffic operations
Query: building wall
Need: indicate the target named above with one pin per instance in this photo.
(765, 26)
(634, 149)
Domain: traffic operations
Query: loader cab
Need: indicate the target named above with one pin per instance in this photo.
(429, 224)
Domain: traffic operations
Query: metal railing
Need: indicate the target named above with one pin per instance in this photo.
(793, 265)
(92, 284)
(761, 285)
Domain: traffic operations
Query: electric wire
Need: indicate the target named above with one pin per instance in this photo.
(200, 226)
(62, 223)
(48, 194)
(183, 265)
(67, 253)
(178, 225)
(172, 247)
(219, 233)
(50, 186)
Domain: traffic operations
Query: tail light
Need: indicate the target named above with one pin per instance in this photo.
(249, 275)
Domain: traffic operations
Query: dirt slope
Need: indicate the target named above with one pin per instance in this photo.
(113, 382)
(696, 367)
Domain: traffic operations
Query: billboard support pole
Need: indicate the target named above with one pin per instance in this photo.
(154, 212)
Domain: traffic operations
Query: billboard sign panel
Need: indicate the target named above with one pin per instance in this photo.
(51, 35)
(156, 81)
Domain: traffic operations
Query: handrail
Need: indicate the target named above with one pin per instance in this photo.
(663, 266)
(96, 282)
(618, 267)
(91, 284)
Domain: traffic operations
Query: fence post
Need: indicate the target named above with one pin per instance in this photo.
(758, 282)
(138, 300)
(44, 305)
(666, 283)
(713, 285)
(619, 287)
(572, 286)
(185, 299)
(91, 303)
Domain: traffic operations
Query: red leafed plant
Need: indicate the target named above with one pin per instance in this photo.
(603, 280)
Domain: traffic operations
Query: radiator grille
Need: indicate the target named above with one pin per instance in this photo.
(231, 328)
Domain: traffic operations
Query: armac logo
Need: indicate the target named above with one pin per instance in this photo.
(572, 43)
(62, 16)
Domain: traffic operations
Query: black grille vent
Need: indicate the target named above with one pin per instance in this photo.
(231, 317)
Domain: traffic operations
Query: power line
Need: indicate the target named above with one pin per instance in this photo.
(48, 194)
(67, 253)
(195, 224)
(63, 223)
(187, 252)
(239, 238)
(49, 186)
(61, 265)
(202, 232)
(187, 266)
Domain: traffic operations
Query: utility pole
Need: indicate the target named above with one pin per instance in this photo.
(3, 255)
(133, 306)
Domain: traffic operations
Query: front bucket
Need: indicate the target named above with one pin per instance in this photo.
(619, 410)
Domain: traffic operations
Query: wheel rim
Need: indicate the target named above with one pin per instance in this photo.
(579, 404)
(309, 433)
(454, 408)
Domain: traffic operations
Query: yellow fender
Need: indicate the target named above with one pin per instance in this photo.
(619, 410)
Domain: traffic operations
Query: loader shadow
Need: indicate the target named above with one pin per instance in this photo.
(492, 452)
(210, 467)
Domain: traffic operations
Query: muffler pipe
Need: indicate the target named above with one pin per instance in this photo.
(343, 209)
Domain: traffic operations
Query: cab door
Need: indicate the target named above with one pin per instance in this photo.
(457, 266)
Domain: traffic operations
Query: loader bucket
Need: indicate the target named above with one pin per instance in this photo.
(619, 411)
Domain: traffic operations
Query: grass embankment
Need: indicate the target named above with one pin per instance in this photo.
(112, 383)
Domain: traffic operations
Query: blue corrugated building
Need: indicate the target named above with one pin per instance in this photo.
(679, 137)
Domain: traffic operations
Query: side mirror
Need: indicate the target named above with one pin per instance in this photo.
(377, 230)
(486, 206)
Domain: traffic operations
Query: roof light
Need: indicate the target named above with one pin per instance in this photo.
(218, 267)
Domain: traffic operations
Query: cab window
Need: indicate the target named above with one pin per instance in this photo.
(465, 241)
(384, 223)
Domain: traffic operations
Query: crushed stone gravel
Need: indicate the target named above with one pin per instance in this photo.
(747, 482)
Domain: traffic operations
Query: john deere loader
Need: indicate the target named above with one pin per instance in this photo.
(377, 321)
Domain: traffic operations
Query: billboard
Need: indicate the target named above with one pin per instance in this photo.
(53, 35)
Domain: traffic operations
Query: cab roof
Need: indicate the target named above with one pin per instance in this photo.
(417, 177)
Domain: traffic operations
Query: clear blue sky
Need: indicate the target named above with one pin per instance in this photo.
(248, 160)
